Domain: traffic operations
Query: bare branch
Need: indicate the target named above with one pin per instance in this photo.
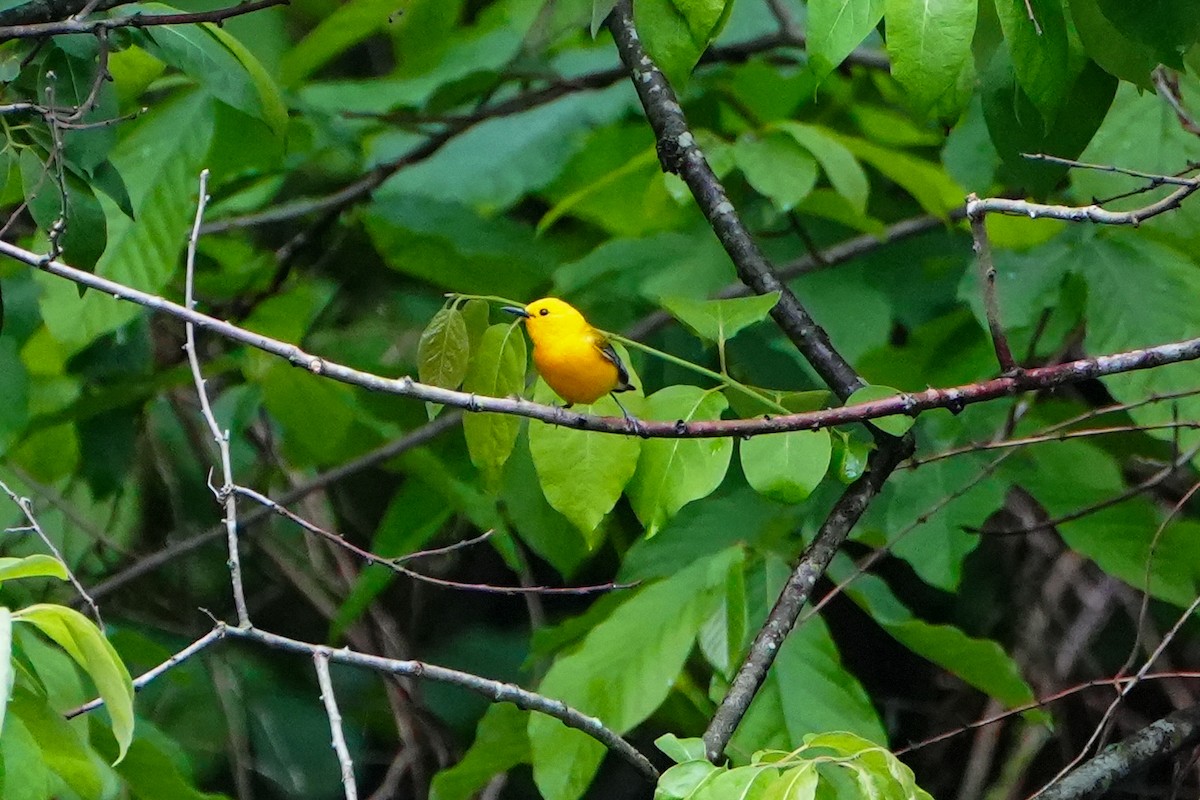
(987, 283)
(150, 675)
(321, 661)
(26, 507)
(225, 493)
(395, 564)
(494, 691)
(679, 153)
(70, 26)
(952, 398)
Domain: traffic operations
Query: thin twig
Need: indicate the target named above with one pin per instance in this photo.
(321, 662)
(225, 493)
(171, 553)
(152, 674)
(987, 283)
(34, 526)
(395, 565)
(495, 691)
(71, 26)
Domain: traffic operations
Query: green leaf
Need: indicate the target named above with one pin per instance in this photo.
(349, 24)
(681, 750)
(315, 414)
(929, 43)
(1017, 127)
(842, 169)
(928, 183)
(151, 769)
(1170, 27)
(35, 566)
(582, 473)
(683, 779)
(622, 671)
(6, 666)
(797, 783)
(673, 472)
(24, 772)
(930, 508)
(1117, 317)
(676, 32)
(777, 166)
(63, 749)
(498, 370)
(982, 663)
(721, 320)
(1039, 51)
(219, 63)
(786, 466)
(895, 424)
(444, 349)
(14, 394)
(600, 12)
(835, 28)
(501, 743)
(833, 699)
(84, 642)
(745, 783)
(547, 532)
(159, 160)
(1107, 45)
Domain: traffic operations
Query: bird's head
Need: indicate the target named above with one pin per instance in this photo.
(549, 316)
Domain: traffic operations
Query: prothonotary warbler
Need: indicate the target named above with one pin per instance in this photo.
(575, 359)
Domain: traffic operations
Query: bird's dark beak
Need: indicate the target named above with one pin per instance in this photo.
(517, 310)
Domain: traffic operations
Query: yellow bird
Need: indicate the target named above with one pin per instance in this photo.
(575, 359)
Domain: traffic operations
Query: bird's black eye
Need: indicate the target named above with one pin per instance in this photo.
(544, 311)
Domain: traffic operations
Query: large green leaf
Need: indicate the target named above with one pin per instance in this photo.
(349, 24)
(676, 32)
(1119, 537)
(786, 466)
(929, 43)
(444, 349)
(84, 642)
(498, 370)
(14, 393)
(1157, 308)
(928, 509)
(160, 161)
(1036, 34)
(833, 699)
(219, 63)
(501, 742)
(1170, 27)
(24, 771)
(721, 320)
(777, 166)
(35, 566)
(928, 183)
(836, 27)
(6, 664)
(844, 172)
(673, 472)
(63, 748)
(622, 671)
(1110, 47)
(582, 473)
(980, 662)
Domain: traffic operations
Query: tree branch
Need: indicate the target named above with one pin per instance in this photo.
(70, 26)
(679, 153)
(913, 403)
(1155, 742)
(811, 566)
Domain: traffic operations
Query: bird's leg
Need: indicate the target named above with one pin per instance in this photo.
(630, 418)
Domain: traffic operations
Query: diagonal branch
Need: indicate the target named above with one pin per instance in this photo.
(679, 153)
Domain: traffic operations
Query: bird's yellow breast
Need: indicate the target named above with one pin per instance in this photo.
(574, 367)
